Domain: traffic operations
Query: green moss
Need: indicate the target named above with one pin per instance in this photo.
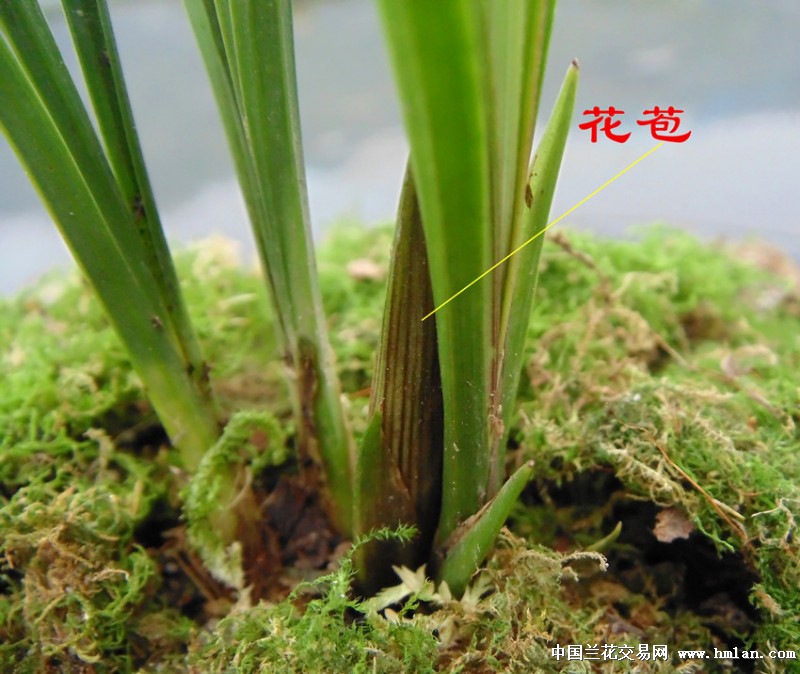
(662, 375)
(250, 443)
(318, 629)
(76, 584)
(61, 366)
(675, 367)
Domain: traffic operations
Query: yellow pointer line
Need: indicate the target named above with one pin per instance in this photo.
(538, 234)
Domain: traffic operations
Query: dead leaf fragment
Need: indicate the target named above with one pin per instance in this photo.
(671, 524)
(364, 269)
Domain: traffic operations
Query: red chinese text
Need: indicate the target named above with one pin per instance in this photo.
(663, 123)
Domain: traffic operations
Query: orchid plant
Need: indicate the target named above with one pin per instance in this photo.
(469, 74)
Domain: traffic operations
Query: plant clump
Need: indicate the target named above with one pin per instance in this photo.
(658, 402)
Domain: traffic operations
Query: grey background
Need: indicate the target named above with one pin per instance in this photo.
(733, 66)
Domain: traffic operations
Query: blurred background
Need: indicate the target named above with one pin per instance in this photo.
(733, 67)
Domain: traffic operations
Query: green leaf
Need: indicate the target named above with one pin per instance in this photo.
(470, 543)
(523, 266)
(90, 25)
(434, 48)
(248, 49)
(44, 119)
(518, 36)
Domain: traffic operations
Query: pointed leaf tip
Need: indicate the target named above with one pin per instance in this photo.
(471, 542)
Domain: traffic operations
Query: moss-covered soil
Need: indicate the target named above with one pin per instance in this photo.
(660, 407)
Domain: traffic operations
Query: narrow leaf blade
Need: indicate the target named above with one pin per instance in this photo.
(472, 541)
(90, 25)
(523, 267)
(434, 50)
